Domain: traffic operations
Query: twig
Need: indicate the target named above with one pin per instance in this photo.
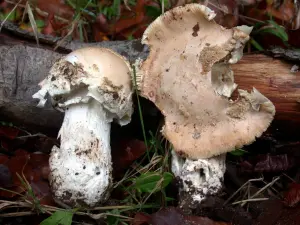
(15, 214)
(289, 177)
(250, 200)
(261, 190)
(31, 135)
(238, 190)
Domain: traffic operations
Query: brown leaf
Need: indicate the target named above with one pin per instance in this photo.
(5, 177)
(141, 219)
(268, 163)
(125, 152)
(274, 213)
(131, 18)
(42, 191)
(173, 216)
(48, 28)
(9, 132)
(292, 197)
(227, 12)
(34, 167)
(56, 7)
(283, 12)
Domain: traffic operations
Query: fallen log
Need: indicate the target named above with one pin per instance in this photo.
(23, 66)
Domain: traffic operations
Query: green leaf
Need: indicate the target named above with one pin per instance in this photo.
(256, 45)
(40, 23)
(168, 199)
(11, 16)
(152, 11)
(166, 4)
(238, 152)
(280, 29)
(113, 220)
(152, 182)
(273, 28)
(282, 35)
(59, 218)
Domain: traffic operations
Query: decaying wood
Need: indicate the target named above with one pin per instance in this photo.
(274, 79)
(23, 66)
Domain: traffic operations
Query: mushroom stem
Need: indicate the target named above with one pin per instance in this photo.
(81, 167)
(199, 178)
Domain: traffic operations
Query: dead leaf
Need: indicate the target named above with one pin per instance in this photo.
(34, 166)
(274, 213)
(42, 191)
(227, 12)
(131, 18)
(141, 219)
(125, 152)
(173, 216)
(292, 197)
(56, 7)
(9, 132)
(5, 177)
(268, 163)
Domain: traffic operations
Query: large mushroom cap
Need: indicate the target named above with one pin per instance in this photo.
(187, 76)
(91, 72)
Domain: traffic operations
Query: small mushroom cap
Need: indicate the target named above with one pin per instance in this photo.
(87, 73)
(187, 75)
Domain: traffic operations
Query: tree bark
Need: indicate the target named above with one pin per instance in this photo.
(24, 65)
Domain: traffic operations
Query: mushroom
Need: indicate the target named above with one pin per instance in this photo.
(93, 87)
(187, 75)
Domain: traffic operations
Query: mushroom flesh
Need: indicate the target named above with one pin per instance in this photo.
(93, 87)
(188, 76)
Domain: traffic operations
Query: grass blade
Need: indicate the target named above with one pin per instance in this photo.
(32, 22)
(14, 8)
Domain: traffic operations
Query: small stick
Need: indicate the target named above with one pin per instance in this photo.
(250, 200)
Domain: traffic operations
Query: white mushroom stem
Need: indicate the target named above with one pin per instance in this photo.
(81, 168)
(200, 178)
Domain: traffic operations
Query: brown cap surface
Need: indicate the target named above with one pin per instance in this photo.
(200, 121)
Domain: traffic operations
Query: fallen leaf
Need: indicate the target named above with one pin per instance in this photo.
(34, 166)
(56, 7)
(42, 191)
(125, 152)
(172, 216)
(268, 163)
(9, 132)
(48, 28)
(274, 213)
(59, 218)
(292, 196)
(141, 219)
(5, 177)
(131, 18)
